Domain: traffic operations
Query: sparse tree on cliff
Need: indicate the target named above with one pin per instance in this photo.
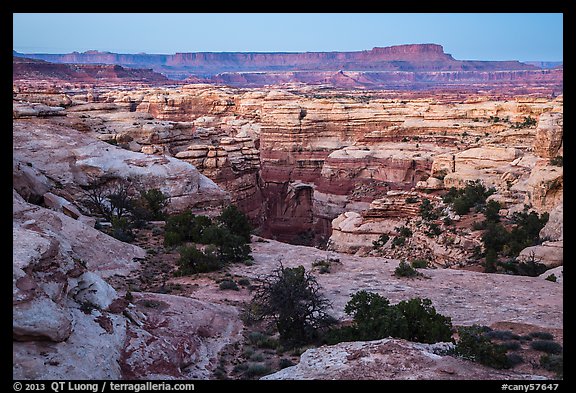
(291, 298)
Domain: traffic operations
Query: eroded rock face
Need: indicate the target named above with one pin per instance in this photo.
(549, 135)
(179, 338)
(388, 359)
(69, 323)
(51, 252)
(294, 160)
(356, 233)
(86, 160)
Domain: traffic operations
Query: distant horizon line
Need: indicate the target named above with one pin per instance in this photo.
(98, 51)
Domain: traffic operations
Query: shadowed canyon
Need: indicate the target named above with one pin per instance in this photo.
(347, 163)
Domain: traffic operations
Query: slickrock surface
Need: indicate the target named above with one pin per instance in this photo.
(467, 297)
(180, 338)
(388, 359)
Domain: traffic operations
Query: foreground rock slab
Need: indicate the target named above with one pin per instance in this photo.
(387, 359)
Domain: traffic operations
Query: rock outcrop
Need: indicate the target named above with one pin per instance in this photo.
(25, 68)
(69, 323)
(551, 251)
(86, 160)
(388, 359)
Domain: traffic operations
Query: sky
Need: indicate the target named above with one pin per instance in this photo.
(469, 36)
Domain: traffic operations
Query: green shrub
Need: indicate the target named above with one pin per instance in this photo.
(529, 266)
(255, 337)
(411, 200)
(403, 231)
(172, 239)
(473, 194)
(193, 261)
(244, 282)
(228, 285)
(514, 359)
(541, 335)
(256, 357)
(122, 229)
(260, 340)
(382, 240)
(551, 277)
(236, 222)
(323, 265)
(231, 247)
(398, 241)
(427, 211)
(256, 370)
(546, 346)
(374, 318)
(502, 335)
(424, 323)
(185, 227)
(405, 270)
(419, 263)
(526, 123)
(553, 363)
(151, 204)
(433, 230)
(557, 161)
(511, 345)
(475, 346)
(492, 211)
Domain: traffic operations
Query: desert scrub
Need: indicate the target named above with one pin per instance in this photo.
(546, 346)
(382, 240)
(553, 363)
(419, 263)
(374, 318)
(502, 335)
(405, 270)
(228, 285)
(475, 346)
(542, 335)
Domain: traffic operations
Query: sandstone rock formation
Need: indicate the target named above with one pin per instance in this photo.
(551, 251)
(69, 323)
(26, 68)
(388, 359)
(309, 165)
(85, 160)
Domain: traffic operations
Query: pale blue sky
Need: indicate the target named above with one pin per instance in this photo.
(470, 36)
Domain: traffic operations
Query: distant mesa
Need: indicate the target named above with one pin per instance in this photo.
(412, 66)
(412, 57)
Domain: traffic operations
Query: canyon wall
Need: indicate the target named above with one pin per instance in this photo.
(294, 159)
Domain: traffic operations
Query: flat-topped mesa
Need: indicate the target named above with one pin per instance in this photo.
(27, 69)
(411, 51)
(413, 57)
